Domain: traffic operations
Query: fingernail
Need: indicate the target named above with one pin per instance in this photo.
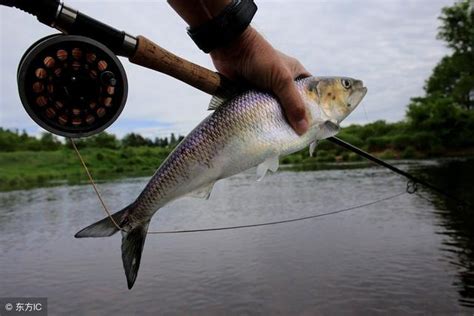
(301, 126)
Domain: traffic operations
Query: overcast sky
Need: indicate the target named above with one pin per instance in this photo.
(390, 45)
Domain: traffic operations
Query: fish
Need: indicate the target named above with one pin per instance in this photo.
(245, 131)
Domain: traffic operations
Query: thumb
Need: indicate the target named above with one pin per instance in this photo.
(292, 103)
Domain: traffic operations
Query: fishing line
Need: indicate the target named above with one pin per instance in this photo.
(282, 221)
(91, 180)
(365, 112)
(410, 189)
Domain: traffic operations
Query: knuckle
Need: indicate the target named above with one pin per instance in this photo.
(282, 79)
(295, 62)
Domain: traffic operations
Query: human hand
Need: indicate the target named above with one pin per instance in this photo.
(250, 57)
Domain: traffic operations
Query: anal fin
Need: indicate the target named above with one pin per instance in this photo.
(270, 163)
(203, 192)
(312, 147)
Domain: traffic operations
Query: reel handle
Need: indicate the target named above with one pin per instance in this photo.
(150, 55)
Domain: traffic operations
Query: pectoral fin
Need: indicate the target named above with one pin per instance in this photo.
(327, 129)
(269, 164)
(203, 192)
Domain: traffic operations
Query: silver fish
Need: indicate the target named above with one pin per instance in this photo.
(247, 131)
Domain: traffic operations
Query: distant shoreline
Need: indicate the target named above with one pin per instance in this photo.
(32, 169)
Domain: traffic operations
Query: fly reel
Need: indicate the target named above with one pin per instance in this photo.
(72, 85)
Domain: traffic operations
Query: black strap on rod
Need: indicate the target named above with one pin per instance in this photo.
(382, 163)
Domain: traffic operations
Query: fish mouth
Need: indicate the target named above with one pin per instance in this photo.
(357, 95)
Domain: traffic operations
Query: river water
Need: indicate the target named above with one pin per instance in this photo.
(412, 254)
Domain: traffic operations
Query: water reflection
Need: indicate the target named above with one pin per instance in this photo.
(457, 221)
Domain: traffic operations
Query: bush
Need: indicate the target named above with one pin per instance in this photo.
(388, 154)
(49, 142)
(292, 159)
(399, 142)
(325, 156)
(127, 153)
(409, 152)
(425, 141)
(13, 141)
(354, 157)
(351, 138)
(378, 143)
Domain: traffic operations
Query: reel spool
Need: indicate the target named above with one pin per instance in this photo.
(72, 86)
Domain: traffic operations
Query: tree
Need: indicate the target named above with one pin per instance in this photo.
(102, 140)
(49, 142)
(452, 125)
(454, 75)
(13, 141)
(135, 140)
(173, 140)
(9, 141)
(160, 142)
(457, 26)
(445, 110)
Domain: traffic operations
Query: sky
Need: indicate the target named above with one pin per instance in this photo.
(391, 45)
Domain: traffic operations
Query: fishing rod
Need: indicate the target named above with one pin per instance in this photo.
(73, 84)
(412, 178)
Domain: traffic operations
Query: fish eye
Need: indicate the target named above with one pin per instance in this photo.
(346, 83)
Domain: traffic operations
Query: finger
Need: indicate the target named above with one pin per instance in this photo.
(301, 72)
(297, 69)
(292, 103)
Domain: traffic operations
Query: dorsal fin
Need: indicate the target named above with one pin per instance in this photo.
(216, 102)
(226, 92)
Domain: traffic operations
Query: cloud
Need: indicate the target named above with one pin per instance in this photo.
(391, 45)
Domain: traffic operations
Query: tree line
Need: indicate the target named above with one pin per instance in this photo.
(14, 140)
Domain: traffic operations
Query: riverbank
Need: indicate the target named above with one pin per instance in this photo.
(30, 169)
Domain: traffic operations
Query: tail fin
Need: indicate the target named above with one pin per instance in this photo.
(132, 247)
(104, 227)
(133, 241)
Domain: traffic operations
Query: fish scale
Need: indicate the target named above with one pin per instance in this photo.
(247, 131)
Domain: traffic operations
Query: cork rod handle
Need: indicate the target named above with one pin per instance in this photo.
(151, 55)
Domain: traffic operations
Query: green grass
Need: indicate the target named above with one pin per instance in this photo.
(28, 169)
